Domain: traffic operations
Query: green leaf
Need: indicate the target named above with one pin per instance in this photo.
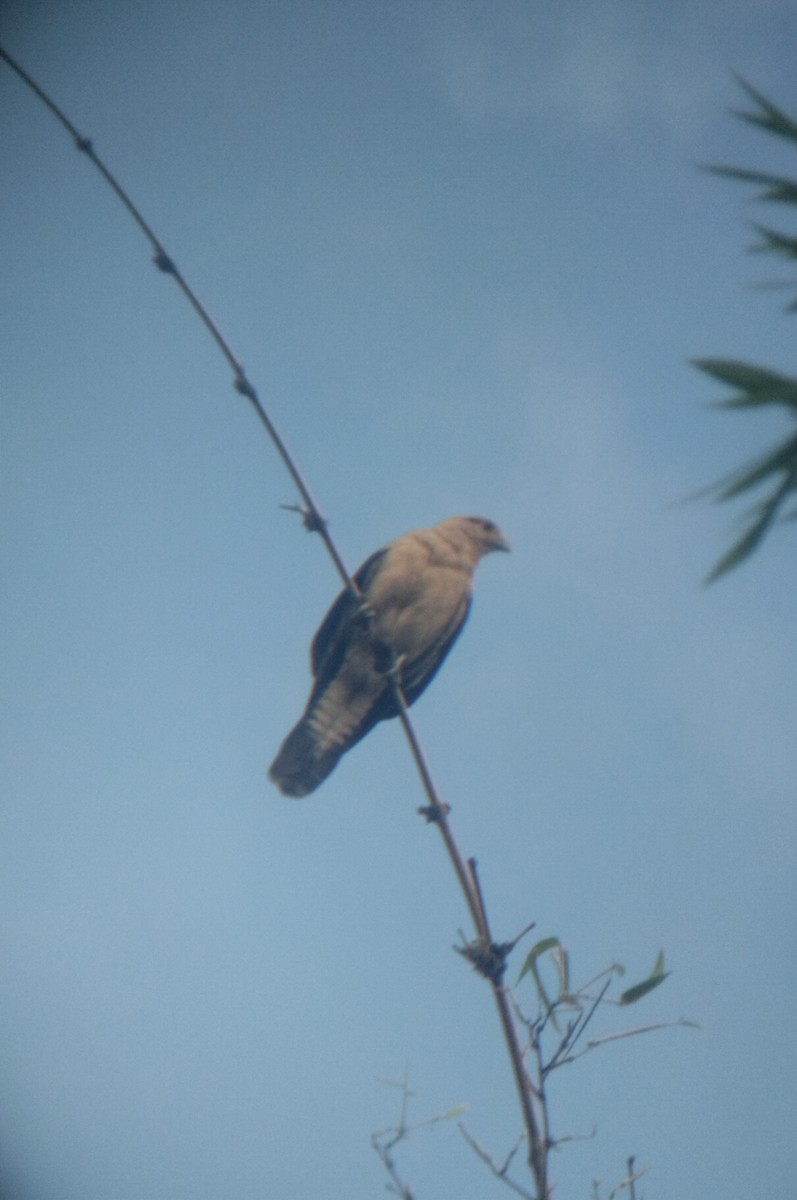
(657, 976)
(768, 116)
(766, 514)
(530, 967)
(776, 243)
(539, 948)
(739, 551)
(783, 459)
(779, 189)
(758, 385)
(562, 960)
(456, 1111)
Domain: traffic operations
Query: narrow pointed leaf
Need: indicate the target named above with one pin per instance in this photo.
(780, 189)
(657, 976)
(755, 532)
(777, 243)
(739, 551)
(783, 459)
(539, 948)
(530, 966)
(562, 960)
(769, 116)
(758, 385)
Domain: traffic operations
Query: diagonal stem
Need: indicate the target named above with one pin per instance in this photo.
(471, 890)
(315, 522)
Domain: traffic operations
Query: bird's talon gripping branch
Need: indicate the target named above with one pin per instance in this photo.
(393, 672)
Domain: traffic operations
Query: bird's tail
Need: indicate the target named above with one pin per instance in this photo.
(303, 761)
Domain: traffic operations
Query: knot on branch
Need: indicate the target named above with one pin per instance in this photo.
(84, 144)
(434, 813)
(164, 263)
(243, 386)
(311, 519)
(488, 958)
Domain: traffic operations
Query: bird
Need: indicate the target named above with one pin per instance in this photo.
(412, 600)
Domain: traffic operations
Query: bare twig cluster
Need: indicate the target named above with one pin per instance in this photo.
(553, 1038)
(757, 387)
(384, 1141)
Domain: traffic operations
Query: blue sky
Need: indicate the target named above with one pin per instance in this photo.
(465, 254)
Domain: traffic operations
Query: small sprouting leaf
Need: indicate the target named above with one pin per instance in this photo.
(562, 960)
(456, 1111)
(657, 976)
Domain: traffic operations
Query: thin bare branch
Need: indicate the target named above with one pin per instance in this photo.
(595, 1043)
(575, 1031)
(165, 263)
(499, 1172)
(629, 1181)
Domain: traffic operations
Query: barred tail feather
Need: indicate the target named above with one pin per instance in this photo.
(303, 762)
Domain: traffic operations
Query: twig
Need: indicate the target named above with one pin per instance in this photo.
(499, 1172)
(575, 1031)
(682, 1022)
(384, 1140)
(630, 1180)
(164, 262)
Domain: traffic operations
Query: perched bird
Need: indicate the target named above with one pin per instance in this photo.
(415, 598)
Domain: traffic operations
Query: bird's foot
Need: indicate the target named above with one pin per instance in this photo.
(396, 664)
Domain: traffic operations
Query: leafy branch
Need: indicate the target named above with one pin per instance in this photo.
(555, 1036)
(757, 386)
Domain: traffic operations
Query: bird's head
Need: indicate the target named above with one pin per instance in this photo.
(482, 535)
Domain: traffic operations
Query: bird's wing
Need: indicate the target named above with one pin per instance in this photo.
(331, 641)
(419, 671)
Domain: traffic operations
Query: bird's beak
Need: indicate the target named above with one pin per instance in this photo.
(502, 544)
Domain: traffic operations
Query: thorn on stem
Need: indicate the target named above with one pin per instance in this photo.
(312, 520)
